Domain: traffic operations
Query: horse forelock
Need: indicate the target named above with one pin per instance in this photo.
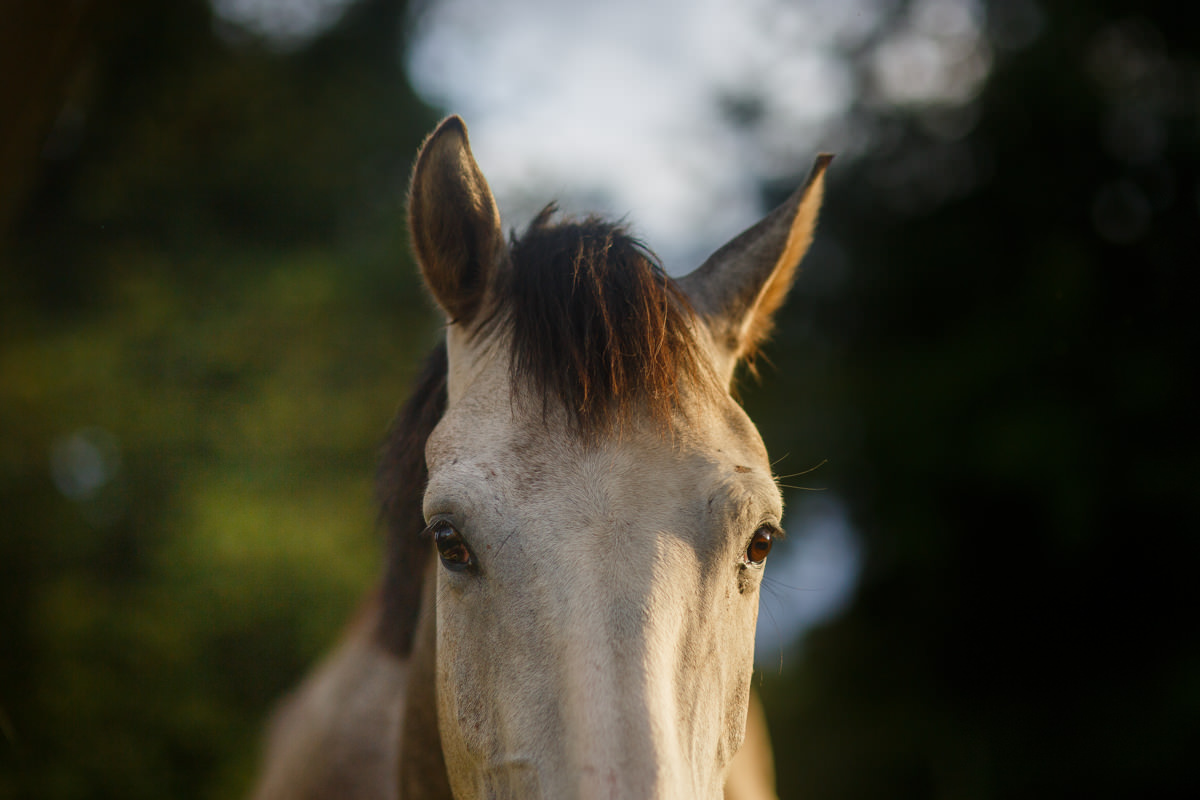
(594, 322)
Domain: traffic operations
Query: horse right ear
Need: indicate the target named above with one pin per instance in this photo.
(454, 223)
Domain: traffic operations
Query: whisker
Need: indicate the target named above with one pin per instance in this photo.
(813, 468)
(773, 583)
(774, 622)
(801, 488)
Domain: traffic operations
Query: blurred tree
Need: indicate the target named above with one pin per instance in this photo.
(1003, 365)
(41, 46)
(204, 268)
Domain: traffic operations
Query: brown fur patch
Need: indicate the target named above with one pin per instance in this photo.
(595, 323)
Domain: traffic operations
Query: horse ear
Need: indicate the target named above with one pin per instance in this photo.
(454, 223)
(741, 286)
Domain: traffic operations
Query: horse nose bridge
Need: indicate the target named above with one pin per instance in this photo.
(622, 612)
(619, 705)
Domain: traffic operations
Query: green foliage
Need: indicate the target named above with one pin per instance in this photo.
(175, 601)
(209, 317)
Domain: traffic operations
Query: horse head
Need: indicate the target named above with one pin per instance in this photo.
(600, 506)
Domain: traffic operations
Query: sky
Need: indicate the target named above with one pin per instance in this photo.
(624, 106)
(671, 115)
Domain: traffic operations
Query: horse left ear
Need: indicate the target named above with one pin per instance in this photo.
(741, 286)
(454, 222)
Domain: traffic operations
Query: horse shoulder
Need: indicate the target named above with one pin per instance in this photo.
(338, 734)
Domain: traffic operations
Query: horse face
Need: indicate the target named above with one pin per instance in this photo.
(596, 600)
(597, 589)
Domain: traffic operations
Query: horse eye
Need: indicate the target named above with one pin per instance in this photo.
(451, 546)
(760, 546)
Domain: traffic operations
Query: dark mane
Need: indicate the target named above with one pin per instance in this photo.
(595, 322)
(400, 487)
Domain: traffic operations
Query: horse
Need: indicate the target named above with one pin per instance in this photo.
(578, 517)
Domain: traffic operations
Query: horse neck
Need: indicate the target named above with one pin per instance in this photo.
(421, 765)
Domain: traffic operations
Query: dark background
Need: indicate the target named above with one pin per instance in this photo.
(208, 315)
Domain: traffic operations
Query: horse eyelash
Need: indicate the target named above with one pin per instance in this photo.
(434, 521)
